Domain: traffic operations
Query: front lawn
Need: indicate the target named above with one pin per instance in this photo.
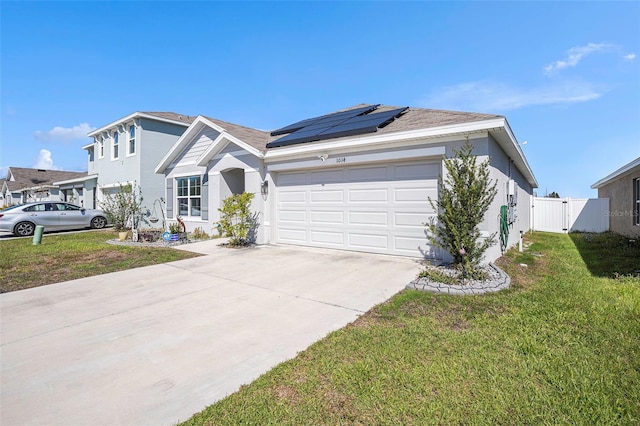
(63, 257)
(561, 346)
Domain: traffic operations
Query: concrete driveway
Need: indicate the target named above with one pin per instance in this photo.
(156, 344)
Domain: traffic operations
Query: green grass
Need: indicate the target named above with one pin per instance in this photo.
(562, 346)
(63, 257)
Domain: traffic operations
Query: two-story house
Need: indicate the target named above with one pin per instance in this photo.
(127, 151)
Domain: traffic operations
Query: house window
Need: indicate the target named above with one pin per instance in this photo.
(101, 148)
(636, 201)
(115, 152)
(188, 190)
(132, 140)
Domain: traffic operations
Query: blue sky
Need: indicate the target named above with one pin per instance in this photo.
(566, 75)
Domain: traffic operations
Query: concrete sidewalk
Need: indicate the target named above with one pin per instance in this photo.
(156, 344)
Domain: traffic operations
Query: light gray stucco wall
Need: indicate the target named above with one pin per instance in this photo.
(503, 169)
(620, 195)
(154, 142)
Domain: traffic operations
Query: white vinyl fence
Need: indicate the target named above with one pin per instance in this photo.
(565, 215)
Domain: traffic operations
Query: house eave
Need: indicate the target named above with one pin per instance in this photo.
(76, 180)
(613, 176)
(131, 117)
(498, 128)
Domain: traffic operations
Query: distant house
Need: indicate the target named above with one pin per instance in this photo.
(358, 179)
(127, 151)
(23, 185)
(622, 188)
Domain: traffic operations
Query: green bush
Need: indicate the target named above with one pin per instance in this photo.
(465, 195)
(236, 220)
(123, 208)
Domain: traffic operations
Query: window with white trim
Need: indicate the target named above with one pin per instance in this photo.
(132, 140)
(188, 191)
(636, 201)
(101, 148)
(115, 151)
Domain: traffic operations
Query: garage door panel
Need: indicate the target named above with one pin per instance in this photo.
(416, 171)
(295, 236)
(379, 195)
(413, 195)
(376, 208)
(410, 244)
(327, 176)
(293, 197)
(327, 217)
(410, 219)
(327, 237)
(293, 216)
(368, 241)
(286, 179)
(327, 196)
(368, 218)
(364, 174)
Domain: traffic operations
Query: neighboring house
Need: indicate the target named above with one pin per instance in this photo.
(23, 185)
(359, 179)
(622, 188)
(2, 200)
(127, 151)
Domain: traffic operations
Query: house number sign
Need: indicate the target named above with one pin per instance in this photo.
(341, 160)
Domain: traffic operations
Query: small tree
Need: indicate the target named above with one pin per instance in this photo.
(464, 197)
(124, 208)
(236, 220)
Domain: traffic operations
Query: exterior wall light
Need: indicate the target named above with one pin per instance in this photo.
(264, 187)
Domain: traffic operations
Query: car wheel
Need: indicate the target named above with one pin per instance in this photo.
(98, 222)
(24, 229)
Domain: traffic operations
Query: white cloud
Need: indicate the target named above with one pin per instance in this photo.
(629, 56)
(45, 161)
(64, 134)
(575, 55)
(496, 97)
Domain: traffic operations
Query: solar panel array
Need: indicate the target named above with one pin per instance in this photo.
(346, 123)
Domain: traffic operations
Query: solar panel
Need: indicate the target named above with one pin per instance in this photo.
(345, 123)
(309, 121)
(363, 124)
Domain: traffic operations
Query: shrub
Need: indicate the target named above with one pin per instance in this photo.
(465, 196)
(123, 208)
(200, 234)
(236, 220)
(175, 228)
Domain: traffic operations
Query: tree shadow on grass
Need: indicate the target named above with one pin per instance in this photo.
(608, 254)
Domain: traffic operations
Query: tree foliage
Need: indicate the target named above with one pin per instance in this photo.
(464, 197)
(236, 220)
(123, 208)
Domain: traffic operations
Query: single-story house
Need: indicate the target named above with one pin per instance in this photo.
(357, 179)
(23, 185)
(622, 188)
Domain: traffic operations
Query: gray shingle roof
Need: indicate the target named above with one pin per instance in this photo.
(256, 138)
(413, 119)
(29, 178)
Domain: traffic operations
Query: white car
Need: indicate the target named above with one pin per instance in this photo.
(53, 215)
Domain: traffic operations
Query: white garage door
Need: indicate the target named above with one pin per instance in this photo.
(374, 208)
